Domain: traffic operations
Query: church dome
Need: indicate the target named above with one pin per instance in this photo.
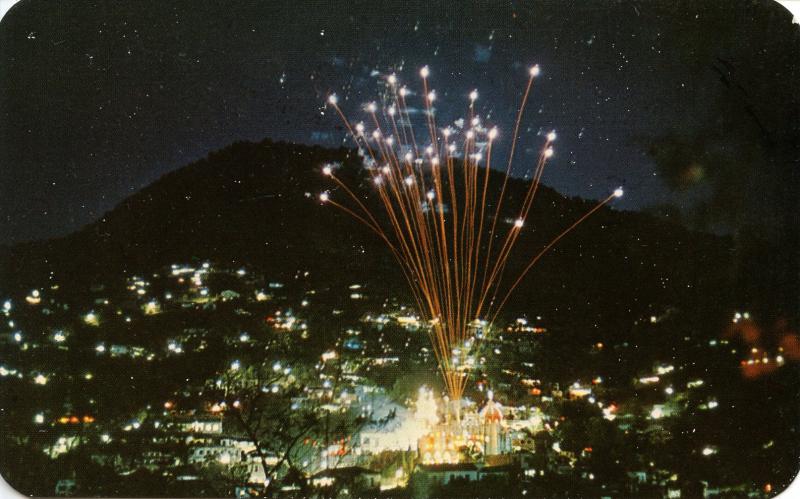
(492, 412)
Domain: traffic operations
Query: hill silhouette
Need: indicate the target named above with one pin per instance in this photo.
(255, 204)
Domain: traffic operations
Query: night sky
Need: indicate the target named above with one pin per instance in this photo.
(680, 102)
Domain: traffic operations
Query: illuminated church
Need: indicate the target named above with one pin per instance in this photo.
(454, 433)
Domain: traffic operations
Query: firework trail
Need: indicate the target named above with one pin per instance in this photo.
(436, 220)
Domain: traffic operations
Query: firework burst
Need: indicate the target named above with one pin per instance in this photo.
(437, 220)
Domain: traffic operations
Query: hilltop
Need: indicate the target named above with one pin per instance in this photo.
(256, 204)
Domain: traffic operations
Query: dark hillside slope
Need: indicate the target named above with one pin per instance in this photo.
(255, 204)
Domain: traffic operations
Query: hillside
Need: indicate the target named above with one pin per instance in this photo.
(255, 204)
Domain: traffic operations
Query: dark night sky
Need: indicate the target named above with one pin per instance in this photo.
(98, 99)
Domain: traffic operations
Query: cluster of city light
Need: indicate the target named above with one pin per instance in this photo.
(740, 316)
(174, 347)
(138, 285)
(455, 263)
(6, 371)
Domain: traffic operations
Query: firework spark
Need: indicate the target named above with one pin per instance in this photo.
(436, 219)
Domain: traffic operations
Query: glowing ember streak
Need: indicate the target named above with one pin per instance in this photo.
(436, 222)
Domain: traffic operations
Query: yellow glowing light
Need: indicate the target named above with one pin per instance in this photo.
(34, 298)
(91, 319)
(152, 308)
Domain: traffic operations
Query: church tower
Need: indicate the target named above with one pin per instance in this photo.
(491, 417)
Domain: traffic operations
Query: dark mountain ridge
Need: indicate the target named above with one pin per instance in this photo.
(255, 205)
